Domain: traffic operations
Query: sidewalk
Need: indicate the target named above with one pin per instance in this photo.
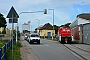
(25, 52)
(85, 47)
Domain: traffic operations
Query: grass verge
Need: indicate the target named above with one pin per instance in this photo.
(16, 52)
(2, 42)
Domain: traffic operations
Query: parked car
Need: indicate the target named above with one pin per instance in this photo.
(25, 36)
(34, 38)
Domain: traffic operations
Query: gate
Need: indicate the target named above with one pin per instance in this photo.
(86, 33)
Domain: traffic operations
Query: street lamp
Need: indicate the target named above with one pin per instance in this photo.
(38, 25)
(38, 22)
(29, 24)
(45, 12)
(53, 23)
(31, 27)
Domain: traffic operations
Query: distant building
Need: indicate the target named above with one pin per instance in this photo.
(8, 31)
(1, 29)
(26, 27)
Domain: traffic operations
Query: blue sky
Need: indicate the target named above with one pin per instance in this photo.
(64, 11)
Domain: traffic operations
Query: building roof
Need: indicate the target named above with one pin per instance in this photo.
(81, 19)
(47, 26)
(39, 27)
(84, 16)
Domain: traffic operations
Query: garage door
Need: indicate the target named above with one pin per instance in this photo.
(86, 33)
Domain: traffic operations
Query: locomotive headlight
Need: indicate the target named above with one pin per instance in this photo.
(68, 30)
(63, 30)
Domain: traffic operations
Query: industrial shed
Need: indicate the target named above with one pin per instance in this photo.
(81, 28)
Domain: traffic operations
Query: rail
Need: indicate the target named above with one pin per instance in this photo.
(76, 52)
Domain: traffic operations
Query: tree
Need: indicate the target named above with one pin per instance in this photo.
(2, 21)
(61, 25)
(67, 24)
(18, 34)
(56, 29)
(4, 31)
(0, 32)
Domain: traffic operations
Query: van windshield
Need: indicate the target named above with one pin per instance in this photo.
(34, 35)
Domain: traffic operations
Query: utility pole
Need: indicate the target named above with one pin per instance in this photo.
(38, 22)
(53, 23)
(29, 25)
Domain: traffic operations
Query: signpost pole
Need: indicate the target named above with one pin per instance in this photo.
(16, 32)
(12, 34)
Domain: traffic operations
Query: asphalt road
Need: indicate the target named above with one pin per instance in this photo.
(51, 50)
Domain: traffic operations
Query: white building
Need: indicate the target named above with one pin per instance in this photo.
(26, 27)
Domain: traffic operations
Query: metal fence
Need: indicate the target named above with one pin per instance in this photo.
(4, 49)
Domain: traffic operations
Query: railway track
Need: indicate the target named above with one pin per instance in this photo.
(80, 48)
(76, 53)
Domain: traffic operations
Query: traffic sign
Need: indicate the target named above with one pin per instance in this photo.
(12, 12)
(14, 20)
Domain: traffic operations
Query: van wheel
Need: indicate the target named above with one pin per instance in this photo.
(30, 42)
(38, 42)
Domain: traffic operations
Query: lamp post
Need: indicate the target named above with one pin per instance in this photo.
(45, 12)
(53, 23)
(38, 22)
(38, 25)
(29, 25)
